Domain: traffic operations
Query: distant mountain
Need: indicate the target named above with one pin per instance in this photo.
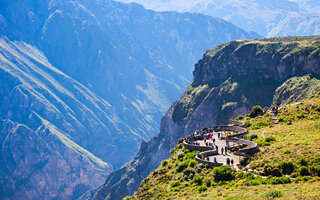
(85, 82)
(266, 17)
(46, 118)
(228, 81)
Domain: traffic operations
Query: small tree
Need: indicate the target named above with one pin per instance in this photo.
(223, 173)
(256, 110)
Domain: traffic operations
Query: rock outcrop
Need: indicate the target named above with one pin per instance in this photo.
(228, 81)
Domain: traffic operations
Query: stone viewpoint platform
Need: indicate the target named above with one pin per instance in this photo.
(215, 145)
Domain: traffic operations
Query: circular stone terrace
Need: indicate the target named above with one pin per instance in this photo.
(215, 145)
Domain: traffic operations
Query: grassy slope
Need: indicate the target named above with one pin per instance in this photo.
(297, 138)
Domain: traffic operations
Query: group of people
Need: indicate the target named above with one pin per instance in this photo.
(230, 161)
(209, 141)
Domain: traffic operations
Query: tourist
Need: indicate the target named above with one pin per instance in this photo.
(213, 140)
(227, 140)
(228, 161)
(219, 135)
(221, 150)
(231, 162)
(226, 150)
(215, 160)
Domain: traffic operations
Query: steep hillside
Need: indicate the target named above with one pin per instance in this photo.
(50, 125)
(228, 81)
(137, 60)
(287, 166)
(266, 17)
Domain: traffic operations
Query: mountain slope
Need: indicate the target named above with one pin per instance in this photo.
(268, 18)
(137, 60)
(287, 166)
(228, 81)
(49, 123)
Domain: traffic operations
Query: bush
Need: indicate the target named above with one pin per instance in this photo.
(256, 110)
(197, 180)
(249, 176)
(264, 143)
(164, 163)
(255, 127)
(191, 155)
(303, 162)
(287, 151)
(303, 171)
(280, 180)
(202, 188)
(273, 194)
(318, 108)
(223, 173)
(286, 167)
(181, 167)
(247, 123)
(175, 184)
(240, 117)
(207, 182)
(271, 170)
(315, 170)
(253, 136)
(299, 116)
(192, 163)
(270, 139)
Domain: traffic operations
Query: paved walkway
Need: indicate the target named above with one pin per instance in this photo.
(222, 158)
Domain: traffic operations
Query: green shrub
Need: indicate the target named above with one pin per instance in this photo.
(202, 188)
(286, 167)
(255, 182)
(315, 170)
(255, 111)
(255, 127)
(175, 184)
(289, 122)
(300, 116)
(273, 194)
(303, 162)
(247, 123)
(270, 139)
(164, 163)
(240, 174)
(303, 171)
(318, 108)
(287, 151)
(272, 170)
(280, 180)
(207, 182)
(223, 173)
(181, 167)
(197, 180)
(253, 136)
(249, 176)
(281, 119)
(263, 143)
(240, 117)
(192, 163)
(191, 155)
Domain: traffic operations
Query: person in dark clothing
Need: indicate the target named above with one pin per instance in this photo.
(226, 150)
(228, 161)
(215, 160)
(222, 150)
(232, 162)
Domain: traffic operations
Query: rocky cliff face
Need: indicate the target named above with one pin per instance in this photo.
(137, 60)
(228, 81)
